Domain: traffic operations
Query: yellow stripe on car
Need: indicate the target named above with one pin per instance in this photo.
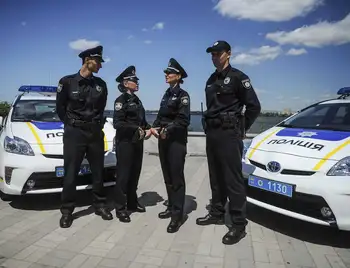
(36, 136)
(330, 154)
(105, 140)
(260, 142)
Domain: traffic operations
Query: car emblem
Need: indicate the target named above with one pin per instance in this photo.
(273, 166)
(307, 134)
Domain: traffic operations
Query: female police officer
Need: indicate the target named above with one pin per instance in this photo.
(131, 129)
(172, 124)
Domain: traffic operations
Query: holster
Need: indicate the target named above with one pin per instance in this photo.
(229, 120)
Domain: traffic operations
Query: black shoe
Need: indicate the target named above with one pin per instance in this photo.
(174, 226)
(104, 213)
(138, 208)
(66, 221)
(165, 214)
(211, 219)
(233, 236)
(123, 216)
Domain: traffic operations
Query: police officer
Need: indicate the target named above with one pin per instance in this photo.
(131, 126)
(172, 124)
(227, 91)
(80, 103)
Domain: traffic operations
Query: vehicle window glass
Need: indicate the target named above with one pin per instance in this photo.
(35, 110)
(334, 116)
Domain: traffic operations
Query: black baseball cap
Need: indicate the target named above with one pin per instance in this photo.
(219, 46)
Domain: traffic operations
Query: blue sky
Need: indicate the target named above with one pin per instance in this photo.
(295, 51)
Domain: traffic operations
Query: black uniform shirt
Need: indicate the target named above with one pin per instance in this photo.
(129, 115)
(81, 98)
(228, 91)
(174, 113)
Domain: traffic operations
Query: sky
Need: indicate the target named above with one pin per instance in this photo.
(295, 52)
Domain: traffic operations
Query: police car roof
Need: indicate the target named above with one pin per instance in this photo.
(335, 101)
(37, 96)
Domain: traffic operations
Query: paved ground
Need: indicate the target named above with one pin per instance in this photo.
(30, 236)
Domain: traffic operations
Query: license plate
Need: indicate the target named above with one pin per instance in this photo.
(271, 186)
(84, 169)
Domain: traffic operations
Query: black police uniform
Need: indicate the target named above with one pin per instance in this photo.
(174, 118)
(80, 105)
(226, 94)
(129, 118)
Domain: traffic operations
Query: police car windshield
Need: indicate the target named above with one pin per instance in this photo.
(35, 110)
(334, 116)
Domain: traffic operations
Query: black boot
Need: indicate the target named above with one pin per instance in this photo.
(104, 213)
(66, 221)
(211, 219)
(233, 236)
(123, 216)
(137, 208)
(165, 214)
(174, 225)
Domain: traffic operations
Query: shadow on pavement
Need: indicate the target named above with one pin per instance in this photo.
(150, 199)
(305, 231)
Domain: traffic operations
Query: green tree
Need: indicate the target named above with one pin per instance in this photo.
(4, 108)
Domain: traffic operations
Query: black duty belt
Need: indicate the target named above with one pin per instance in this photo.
(223, 120)
(83, 123)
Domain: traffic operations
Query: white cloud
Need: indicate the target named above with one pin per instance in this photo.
(23, 23)
(144, 30)
(107, 59)
(296, 52)
(257, 55)
(158, 26)
(318, 35)
(147, 42)
(83, 44)
(266, 10)
(130, 37)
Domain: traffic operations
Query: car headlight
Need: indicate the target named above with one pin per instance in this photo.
(246, 145)
(342, 168)
(17, 146)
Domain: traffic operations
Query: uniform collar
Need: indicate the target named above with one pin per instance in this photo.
(80, 78)
(224, 72)
(174, 90)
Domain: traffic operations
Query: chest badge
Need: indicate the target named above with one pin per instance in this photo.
(98, 88)
(227, 80)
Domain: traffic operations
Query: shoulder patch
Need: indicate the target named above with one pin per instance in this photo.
(184, 100)
(59, 88)
(118, 106)
(246, 83)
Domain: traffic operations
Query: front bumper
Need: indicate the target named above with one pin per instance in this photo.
(314, 194)
(22, 175)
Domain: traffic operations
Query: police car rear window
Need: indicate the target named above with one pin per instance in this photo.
(334, 116)
(35, 110)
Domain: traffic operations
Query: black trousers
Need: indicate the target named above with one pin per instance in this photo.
(224, 153)
(172, 156)
(129, 163)
(77, 143)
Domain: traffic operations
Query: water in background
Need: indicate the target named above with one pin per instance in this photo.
(261, 124)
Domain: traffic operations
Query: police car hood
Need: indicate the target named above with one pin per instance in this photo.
(308, 143)
(49, 135)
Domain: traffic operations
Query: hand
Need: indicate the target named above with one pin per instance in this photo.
(163, 134)
(148, 134)
(154, 132)
(141, 133)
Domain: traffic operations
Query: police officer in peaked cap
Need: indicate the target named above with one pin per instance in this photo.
(131, 126)
(80, 103)
(171, 128)
(227, 91)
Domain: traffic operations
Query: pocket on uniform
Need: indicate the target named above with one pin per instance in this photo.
(225, 94)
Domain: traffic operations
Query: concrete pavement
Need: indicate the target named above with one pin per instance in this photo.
(30, 235)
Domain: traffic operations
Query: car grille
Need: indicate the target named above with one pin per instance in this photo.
(305, 204)
(48, 180)
(284, 171)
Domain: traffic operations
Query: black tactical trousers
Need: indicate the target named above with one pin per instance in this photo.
(129, 163)
(224, 153)
(77, 143)
(172, 156)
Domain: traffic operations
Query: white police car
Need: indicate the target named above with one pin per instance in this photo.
(31, 147)
(301, 167)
